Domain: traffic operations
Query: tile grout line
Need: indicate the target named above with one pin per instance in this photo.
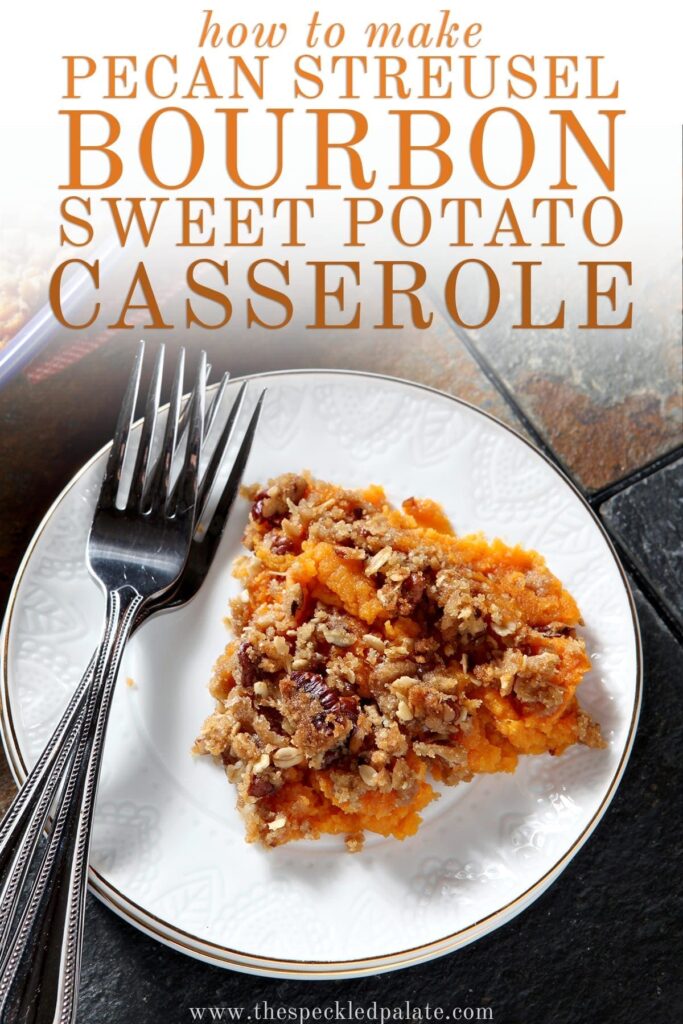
(506, 394)
(643, 472)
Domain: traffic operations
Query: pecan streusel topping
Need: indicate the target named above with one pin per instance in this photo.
(376, 652)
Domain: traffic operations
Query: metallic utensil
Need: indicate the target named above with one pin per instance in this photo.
(146, 556)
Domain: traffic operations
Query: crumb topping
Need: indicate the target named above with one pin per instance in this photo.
(375, 650)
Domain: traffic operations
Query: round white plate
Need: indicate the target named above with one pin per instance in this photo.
(168, 851)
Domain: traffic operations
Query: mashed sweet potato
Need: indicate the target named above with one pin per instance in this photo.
(376, 652)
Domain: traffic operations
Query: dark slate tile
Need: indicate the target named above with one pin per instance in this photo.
(647, 518)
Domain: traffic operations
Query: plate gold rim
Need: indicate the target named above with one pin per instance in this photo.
(181, 940)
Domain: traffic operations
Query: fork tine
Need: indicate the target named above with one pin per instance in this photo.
(112, 474)
(162, 476)
(214, 530)
(186, 407)
(211, 411)
(219, 450)
(137, 487)
(212, 406)
(215, 403)
(185, 492)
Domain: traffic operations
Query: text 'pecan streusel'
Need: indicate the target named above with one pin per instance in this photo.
(375, 650)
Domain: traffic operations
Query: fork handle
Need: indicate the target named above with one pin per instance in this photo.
(27, 816)
(21, 808)
(39, 973)
(28, 813)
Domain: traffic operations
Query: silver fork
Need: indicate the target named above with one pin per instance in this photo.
(40, 971)
(28, 814)
(25, 818)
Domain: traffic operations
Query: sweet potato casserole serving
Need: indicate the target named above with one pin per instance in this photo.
(375, 651)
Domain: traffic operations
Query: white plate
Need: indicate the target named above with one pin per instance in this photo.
(168, 850)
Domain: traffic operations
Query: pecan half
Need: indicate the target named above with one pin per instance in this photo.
(313, 684)
(412, 589)
(247, 668)
(260, 787)
(281, 545)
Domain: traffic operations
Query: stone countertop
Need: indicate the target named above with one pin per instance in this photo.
(600, 944)
(647, 519)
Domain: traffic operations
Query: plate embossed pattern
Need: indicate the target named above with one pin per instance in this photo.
(168, 850)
